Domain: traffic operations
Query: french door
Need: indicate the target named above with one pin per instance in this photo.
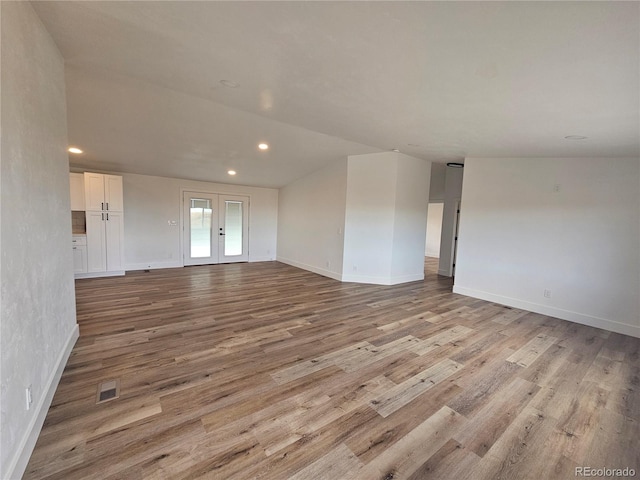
(215, 228)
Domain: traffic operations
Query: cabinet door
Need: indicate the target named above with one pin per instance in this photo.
(76, 184)
(113, 193)
(96, 242)
(94, 191)
(114, 240)
(79, 259)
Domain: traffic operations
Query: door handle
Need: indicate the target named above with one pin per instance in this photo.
(221, 234)
(103, 217)
(107, 216)
(102, 206)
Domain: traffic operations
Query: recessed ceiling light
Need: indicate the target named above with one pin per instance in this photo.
(575, 137)
(263, 146)
(229, 84)
(231, 172)
(74, 150)
(395, 150)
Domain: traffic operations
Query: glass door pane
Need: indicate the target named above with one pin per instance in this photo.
(200, 225)
(232, 228)
(200, 238)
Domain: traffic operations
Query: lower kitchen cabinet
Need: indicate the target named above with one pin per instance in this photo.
(105, 241)
(79, 246)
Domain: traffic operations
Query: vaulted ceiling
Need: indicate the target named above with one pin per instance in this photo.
(321, 80)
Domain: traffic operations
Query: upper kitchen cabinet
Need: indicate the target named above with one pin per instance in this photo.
(76, 182)
(103, 192)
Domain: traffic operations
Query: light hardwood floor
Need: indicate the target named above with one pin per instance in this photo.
(267, 371)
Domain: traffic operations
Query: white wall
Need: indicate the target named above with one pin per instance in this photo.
(311, 218)
(571, 226)
(385, 222)
(452, 196)
(410, 222)
(370, 209)
(151, 202)
(38, 327)
(434, 229)
(437, 183)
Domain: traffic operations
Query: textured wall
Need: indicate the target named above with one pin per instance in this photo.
(37, 304)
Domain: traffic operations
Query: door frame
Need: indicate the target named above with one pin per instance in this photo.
(204, 191)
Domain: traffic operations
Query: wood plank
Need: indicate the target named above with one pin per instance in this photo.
(440, 339)
(490, 422)
(338, 463)
(532, 350)
(405, 456)
(399, 395)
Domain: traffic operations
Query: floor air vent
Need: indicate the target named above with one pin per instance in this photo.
(109, 390)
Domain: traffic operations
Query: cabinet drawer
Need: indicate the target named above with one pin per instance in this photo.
(79, 240)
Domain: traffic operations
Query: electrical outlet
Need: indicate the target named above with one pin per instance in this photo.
(328, 264)
(355, 268)
(28, 397)
(547, 293)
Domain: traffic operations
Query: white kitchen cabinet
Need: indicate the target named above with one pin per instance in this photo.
(76, 184)
(114, 241)
(105, 224)
(96, 242)
(103, 192)
(105, 242)
(79, 246)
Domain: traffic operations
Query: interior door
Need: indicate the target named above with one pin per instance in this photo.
(200, 218)
(216, 228)
(233, 229)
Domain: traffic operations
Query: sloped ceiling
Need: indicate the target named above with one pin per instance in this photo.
(321, 80)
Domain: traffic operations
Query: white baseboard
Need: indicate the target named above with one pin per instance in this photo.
(18, 464)
(174, 264)
(311, 268)
(118, 273)
(584, 319)
(153, 265)
(382, 280)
